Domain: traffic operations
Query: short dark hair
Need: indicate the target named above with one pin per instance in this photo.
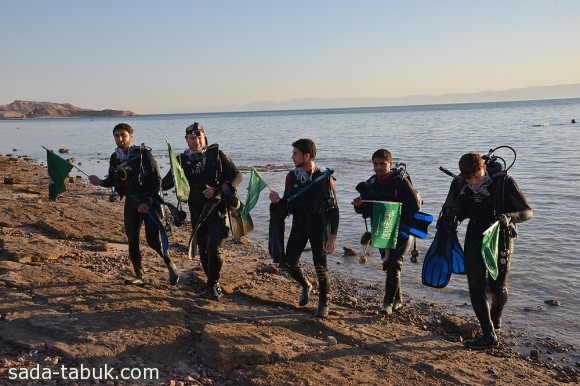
(471, 163)
(123, 126)
(306, 145)
(383, 154)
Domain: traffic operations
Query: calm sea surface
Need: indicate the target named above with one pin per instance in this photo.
(545, 265)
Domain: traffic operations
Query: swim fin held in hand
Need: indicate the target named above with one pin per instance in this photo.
(444, 257)
(416, 226)
(239, 225)
(437, 265)
(276, 233)
(455, 250)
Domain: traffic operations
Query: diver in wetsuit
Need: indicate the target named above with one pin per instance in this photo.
(212, 178)
(486, 195)
(134, 174)
(315, 218)
(389, 184)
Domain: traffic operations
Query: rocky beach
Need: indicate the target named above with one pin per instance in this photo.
(63, 304)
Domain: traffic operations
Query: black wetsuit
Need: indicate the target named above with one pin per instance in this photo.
(314, 215)
(501, 195)
(394, 188)
(211, 168)
(135, 176)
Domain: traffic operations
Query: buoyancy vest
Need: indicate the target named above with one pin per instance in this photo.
(201, 169)
(132, 173)
(317, 200)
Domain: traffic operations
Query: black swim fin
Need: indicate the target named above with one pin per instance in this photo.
(208, 208)
(438, 264)
(276, 234)
(416, 226)
(239, 226)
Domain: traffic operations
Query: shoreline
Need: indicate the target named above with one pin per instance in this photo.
(65, 260)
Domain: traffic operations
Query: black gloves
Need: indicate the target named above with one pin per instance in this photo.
(504, 220)
(448, 219)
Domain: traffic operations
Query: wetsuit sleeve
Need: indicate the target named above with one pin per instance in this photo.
(167, 181)
(366, 209)
(515, 203)
(287, 187)
(154, 182)
(410, 199)
(230, 172)
(451, 207)
(333, 213)
(287, 193)
(108, 182)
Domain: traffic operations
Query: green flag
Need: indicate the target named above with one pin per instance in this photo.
(385, 224)
(489, 249)
(58, 170)
(179, 180)
(255, 186)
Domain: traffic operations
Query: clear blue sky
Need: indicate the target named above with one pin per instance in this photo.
(156, 56)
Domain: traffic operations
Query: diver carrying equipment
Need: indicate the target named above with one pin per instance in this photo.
(444, 256)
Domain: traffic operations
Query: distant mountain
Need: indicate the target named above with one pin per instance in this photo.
(27, 109)
(517, 94)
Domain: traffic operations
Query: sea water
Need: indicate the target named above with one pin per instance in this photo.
(545, 265)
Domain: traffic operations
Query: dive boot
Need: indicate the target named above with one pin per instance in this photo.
(397, 305)
(173, 273)
(213, 292)
(387, 308)
(305, 297)
(484, 341)
(322, 311)
(140, 281)
(496, 323)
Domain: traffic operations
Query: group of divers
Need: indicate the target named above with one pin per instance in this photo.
(483, 192)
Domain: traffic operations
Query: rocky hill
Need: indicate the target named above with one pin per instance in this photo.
(28, 109)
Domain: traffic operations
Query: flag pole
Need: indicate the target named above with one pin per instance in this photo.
(74, 166)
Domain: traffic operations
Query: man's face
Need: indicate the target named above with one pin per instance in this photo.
(475, 179)
(195, 142)
(123, 139)
(299, 158)
(381, 167)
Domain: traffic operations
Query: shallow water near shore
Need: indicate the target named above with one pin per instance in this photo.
(545, 266)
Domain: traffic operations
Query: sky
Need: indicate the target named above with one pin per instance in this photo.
(177, 55)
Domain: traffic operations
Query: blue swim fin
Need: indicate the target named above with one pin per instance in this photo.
(438, 264)
(416, 226)
(455, 250)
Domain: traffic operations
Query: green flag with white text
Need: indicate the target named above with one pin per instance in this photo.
(58, 170)
(489, 249)
(255, 186)
(385, 224)
(179, 179)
